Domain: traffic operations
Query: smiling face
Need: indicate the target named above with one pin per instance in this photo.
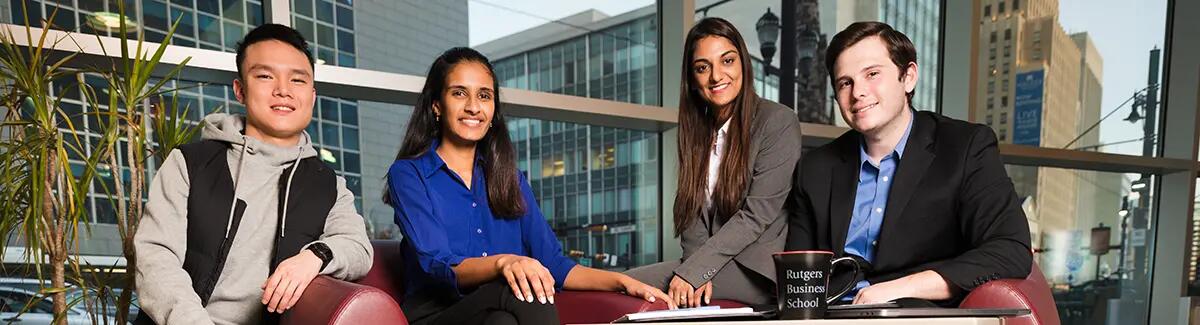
(870, 89)
(466, 105)
(717, 71)
(277, 90)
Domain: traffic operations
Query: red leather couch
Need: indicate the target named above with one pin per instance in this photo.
(375, 298)
(1031, 293)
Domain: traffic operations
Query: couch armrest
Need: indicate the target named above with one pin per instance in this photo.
(575, 307)
(331, 301)
(1016, 293)
(1003, 293)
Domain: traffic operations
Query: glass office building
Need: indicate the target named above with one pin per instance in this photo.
(329, 28)
(211, 25)
(919, 20)
(597, 185)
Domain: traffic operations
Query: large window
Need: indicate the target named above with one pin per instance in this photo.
(1079, 75)
(1093, 239)
(207, 24)
(334, 131)
(816, 23)
(615, 63)
(1084, 76)
(597, 186)
(1045, 75)
(328, 27)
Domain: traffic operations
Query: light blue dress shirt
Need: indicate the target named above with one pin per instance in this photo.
(870, 202)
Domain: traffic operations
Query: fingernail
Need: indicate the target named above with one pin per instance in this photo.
(519, 297)
(651, 298)
(542, 299)
(551, 300)
(529, 298)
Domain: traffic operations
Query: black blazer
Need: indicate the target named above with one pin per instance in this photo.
(951, 208)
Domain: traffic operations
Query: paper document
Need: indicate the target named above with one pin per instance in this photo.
(689, 313)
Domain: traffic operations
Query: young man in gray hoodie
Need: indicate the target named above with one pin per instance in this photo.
(239, 223)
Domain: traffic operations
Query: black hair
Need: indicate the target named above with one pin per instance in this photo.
(275, 32)
(499, 156)
(698, 126)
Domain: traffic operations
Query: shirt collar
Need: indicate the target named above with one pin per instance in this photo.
(724, 128)
(431, 162)
(899, 151)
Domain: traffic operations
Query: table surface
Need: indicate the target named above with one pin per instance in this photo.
(878, 321)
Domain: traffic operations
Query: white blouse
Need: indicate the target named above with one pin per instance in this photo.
(714, 160)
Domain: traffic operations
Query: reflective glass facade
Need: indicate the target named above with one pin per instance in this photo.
(598, 186)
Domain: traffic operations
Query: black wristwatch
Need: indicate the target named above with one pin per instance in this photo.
(322, 252)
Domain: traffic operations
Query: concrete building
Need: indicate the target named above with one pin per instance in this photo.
(1041, 86)
(431, 27)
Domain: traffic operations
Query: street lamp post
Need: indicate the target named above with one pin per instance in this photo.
(768, 31)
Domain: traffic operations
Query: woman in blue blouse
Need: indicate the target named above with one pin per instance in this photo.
(476, 248)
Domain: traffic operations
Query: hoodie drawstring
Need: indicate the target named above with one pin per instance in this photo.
(287, 192)
(236, 180)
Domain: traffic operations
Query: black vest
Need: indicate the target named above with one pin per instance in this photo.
(210, 196)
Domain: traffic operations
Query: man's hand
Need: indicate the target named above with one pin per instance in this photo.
(928, 285)
(527, 278)
(292, 276)
(882, 292)
(635, 288)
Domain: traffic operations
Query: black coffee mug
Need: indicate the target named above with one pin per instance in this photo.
(802, 279)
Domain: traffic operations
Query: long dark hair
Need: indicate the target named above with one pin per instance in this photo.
(697, 131)
(499, 162)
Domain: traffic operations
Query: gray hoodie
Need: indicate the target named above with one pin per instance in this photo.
(165, 289)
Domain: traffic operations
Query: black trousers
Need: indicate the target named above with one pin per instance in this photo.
(491, 303)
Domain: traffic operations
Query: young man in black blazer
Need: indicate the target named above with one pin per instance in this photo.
(922, 197)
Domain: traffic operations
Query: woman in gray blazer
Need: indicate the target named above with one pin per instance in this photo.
(737, 153)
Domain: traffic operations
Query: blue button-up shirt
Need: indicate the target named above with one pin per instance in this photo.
(445, 222)
(870, 202)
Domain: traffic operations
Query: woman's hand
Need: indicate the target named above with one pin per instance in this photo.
(703, 294)
(527, 277)
(681, 292)
(638, 289)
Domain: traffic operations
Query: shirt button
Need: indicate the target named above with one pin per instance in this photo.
(478, 231)
(885, 178)
(878, 210)
(473, 204)
(484, 254)
(874, 243)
